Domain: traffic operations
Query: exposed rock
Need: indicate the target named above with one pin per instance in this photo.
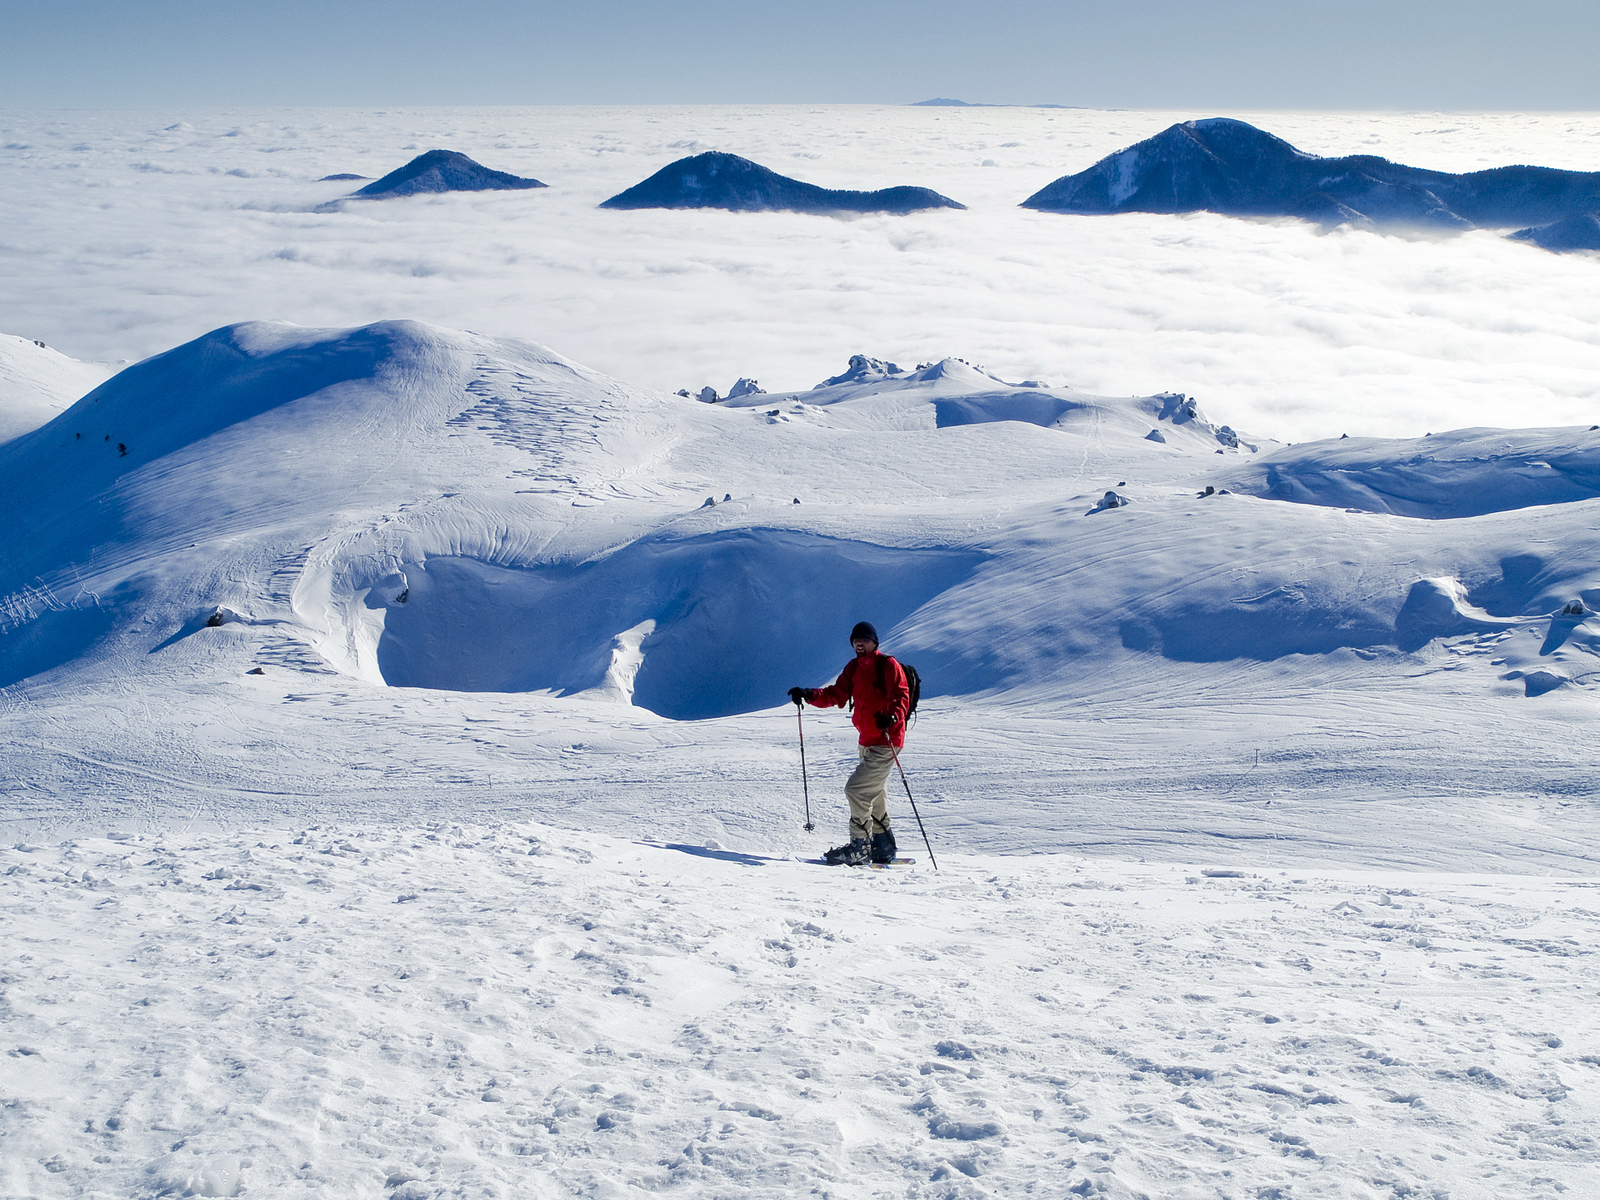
(443, 171)
(716, 180)
(1231, 167)
(1537, 683)
(861, 370)
(746, 387)
(708, 395)
(342, 178)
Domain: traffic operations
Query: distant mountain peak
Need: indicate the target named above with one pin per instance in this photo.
(1578, 232)
(444, 171)
(1228, 166)
(719, 180)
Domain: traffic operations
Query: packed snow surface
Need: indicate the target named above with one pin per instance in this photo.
(448, 1009)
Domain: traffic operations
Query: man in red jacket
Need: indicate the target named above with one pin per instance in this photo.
(874, 686)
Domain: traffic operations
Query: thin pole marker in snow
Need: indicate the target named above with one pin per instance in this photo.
(914, 811)
(804, 785)
(1232, 787)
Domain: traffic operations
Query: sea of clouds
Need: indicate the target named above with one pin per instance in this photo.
(123, 233)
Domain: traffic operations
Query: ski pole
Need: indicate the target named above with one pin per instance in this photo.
(805, 786)
(914, 811)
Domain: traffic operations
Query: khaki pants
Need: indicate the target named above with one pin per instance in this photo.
(867, 790)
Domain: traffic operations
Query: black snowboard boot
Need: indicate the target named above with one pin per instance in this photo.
(883, 847)
(852, 854)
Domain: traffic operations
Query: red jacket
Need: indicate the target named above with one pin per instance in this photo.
(873, 683)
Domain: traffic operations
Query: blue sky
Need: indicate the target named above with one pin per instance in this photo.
(1465, 54)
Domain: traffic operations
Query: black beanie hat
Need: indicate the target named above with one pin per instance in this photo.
(864, 629)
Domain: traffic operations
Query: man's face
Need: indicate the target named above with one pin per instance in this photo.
(863, 645)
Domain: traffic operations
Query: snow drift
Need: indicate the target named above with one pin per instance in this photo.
(1459, 473)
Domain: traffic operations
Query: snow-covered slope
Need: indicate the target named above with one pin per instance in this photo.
(404, 507)
(37, 383)
(1459, 473)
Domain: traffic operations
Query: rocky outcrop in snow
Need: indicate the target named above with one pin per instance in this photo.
(861, 370)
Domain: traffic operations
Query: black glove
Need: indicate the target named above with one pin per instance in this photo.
(884, 720)
(797, 694)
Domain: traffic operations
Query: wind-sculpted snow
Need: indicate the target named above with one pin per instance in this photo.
(443, 171)
(723, 615)
(1460, 473)
(378, 536)
(1230, 167)
(715, 180)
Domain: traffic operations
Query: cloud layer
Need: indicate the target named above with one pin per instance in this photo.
(126, 233)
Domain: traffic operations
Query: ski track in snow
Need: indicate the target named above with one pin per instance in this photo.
(515, 1010)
